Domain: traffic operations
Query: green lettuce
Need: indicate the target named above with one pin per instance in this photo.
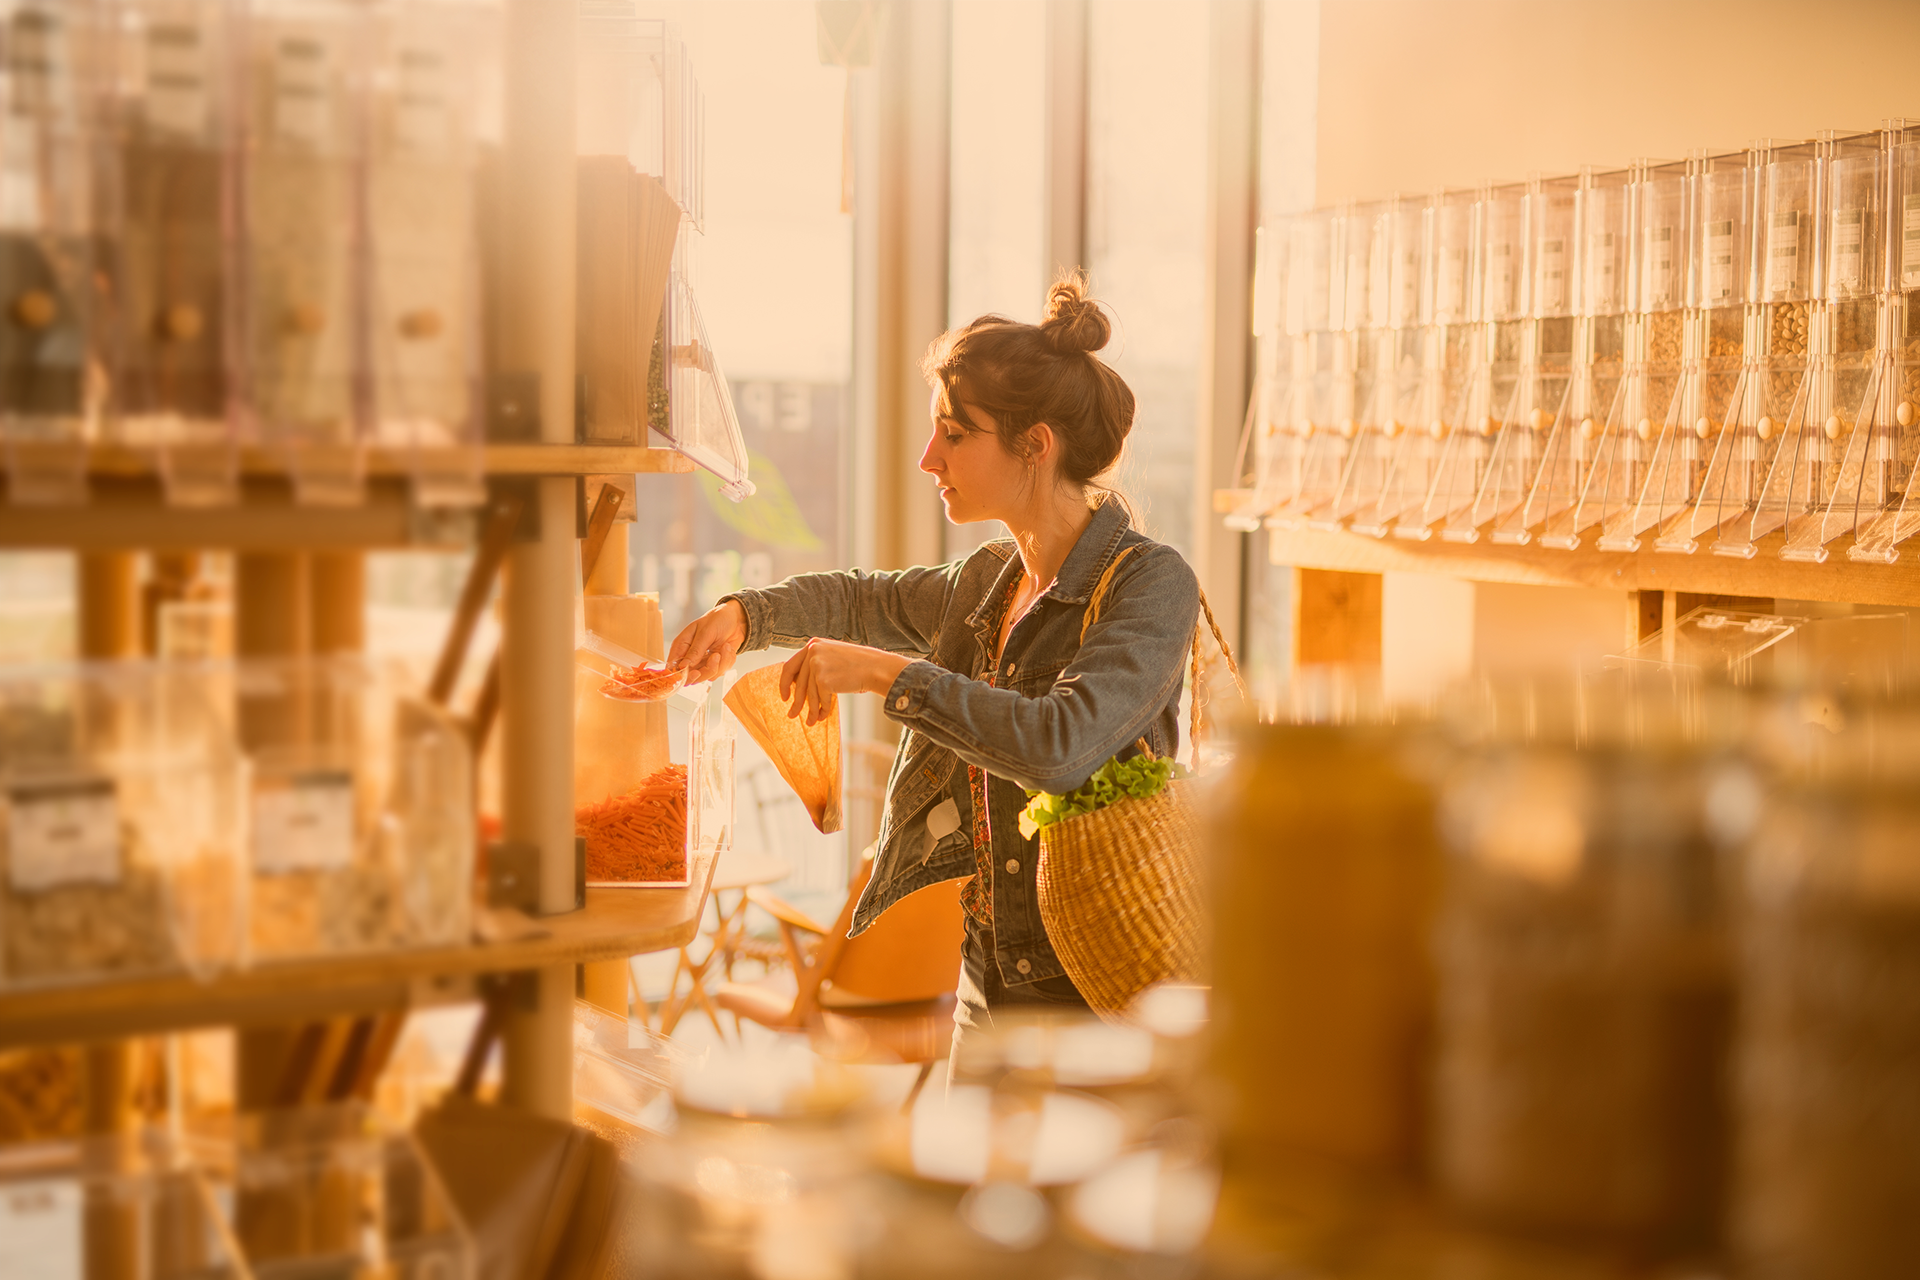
(1117, 779)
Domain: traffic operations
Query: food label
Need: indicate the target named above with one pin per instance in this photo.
(1719, 271)
(1551, 279)
(40, 1229)
(420, 109)
(1499, 281)
(300, 91)
(1453, 284)
(34, 46)
(303, 823)
(176, 79)
(1848, 225)
(1603, 279)
(1407, 303)
(1910, 242)
(62, 832)
(1783, 251)
(1660, 272)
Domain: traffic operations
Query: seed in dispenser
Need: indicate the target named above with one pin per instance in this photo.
(1703, 428)
(1645, 429)
(1904, 414)
(181, 322)
(1763, 428)
(1586, 428)
(1833, 426)
(35, 309)
(421, 324)
(304, 319)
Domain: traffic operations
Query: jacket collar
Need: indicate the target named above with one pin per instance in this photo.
(1083, 567)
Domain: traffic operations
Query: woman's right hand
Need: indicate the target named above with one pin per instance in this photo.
(707, 646)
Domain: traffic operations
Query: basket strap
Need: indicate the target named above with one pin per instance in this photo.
(1099, 596)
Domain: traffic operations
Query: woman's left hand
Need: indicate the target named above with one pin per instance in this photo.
(826, 667)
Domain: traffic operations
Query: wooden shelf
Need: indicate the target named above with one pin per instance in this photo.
(1766, 575)
(496, 459)
(614, 924)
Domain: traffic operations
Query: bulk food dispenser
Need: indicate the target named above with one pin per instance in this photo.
(1315, 298)
(1398, 284)
(172, 391)
(1546, 342)
(1491, 361)
(1657, 320)
(51, 350)
(1771, 405)
(1695, 451)
(1449, 339)
(1852, 201)
(1366, 277)
(1888, 504)
(423, 243)
(1275, 450)
(1603, 217)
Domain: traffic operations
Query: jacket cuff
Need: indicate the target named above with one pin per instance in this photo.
(758, 610)
(907, 696)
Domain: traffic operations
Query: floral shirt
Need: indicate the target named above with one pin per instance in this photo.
(976, 895)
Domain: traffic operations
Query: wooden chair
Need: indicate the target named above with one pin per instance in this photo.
(883, 997)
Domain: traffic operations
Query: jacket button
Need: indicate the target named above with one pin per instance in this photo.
(1024, 966)
(1010, 667)
(1013, 866)
(900, 703)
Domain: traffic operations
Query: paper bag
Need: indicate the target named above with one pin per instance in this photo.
(808, 756)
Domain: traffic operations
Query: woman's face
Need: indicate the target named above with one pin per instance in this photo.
(979, 479)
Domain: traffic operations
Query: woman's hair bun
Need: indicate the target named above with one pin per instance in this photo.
(1074, 323)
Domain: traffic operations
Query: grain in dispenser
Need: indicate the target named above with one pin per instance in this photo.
(301, 165)
(1603, 222)
(435, 68)
(51, 349)
(173, 388)
(1891, 408)
(1397, 368)
(1500, 308)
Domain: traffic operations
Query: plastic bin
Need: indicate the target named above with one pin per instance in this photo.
(124, 819)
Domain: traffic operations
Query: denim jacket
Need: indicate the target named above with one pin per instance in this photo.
(1060, 710)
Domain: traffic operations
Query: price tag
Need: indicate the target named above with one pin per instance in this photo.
(1660, 270)
(36, 45)
(64, 831)
(420, 108)
(1551, 279)
(40, 1229)
(303, 822)
(1848, 228)
(1783, 251)
(1910, 242)
(1720, 260)
(1603, 279)
(300, 91)
(176, 79)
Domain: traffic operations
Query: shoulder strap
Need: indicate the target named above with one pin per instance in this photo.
(1099, 596)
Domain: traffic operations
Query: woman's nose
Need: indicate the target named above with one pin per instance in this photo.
(929, 459)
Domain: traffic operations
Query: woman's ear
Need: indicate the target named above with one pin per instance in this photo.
(1042, 444)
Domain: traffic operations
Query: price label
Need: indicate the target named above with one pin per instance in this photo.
(303, 822)
(1910, 242)
(64, 831)
(35, 44)
(300, 98)
(1720, 261)
(176, 79)
(1848, 233)
(1499, 281)
(1603, 277)
(1551, 280)
(1453, 285)
(1783, 251)
(420, 108)
(1660, 270)
(40, 1230)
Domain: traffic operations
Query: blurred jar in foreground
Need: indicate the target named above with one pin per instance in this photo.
(1828, 1093)
(1584, 998)
(757, 1178)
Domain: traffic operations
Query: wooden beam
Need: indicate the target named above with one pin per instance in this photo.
(1338, 618)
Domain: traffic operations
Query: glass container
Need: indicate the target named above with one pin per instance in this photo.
(362, 811)
(1446, 343)
(701, 423)
(123, 825)
(52, 353)
(1316, 300)
(1269, 451)
(1603, 233)
(1888, 506)
(1497, 306)
(1364, 388)
(1396, 385)
(1661, 196)
(173, 390)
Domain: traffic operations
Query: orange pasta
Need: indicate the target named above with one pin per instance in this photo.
(642, 684)
(640, 834)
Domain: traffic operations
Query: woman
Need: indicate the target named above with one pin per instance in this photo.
(981, 662)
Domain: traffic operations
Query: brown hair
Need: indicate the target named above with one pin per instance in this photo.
(1024, 374)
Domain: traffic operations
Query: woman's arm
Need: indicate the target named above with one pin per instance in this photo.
(1128, 669)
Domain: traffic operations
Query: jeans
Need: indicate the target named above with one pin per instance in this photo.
(982, 990)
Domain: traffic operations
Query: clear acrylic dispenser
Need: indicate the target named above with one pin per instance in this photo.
(1888, 502)
(435, 67)
(300, 211)
(1835, 446)
(1546, 346)
(1447, 346)
(1660, 196)
(1365, 243)
(172, 388)
(701, 423)
(1492, 361)
(1713, 341)
(1316, 297)
(1778, 385)
(1399, 286)
(1603, 215)
(50, 347)
(1275, 450)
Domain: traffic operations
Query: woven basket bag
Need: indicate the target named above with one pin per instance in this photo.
(1119, 887)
